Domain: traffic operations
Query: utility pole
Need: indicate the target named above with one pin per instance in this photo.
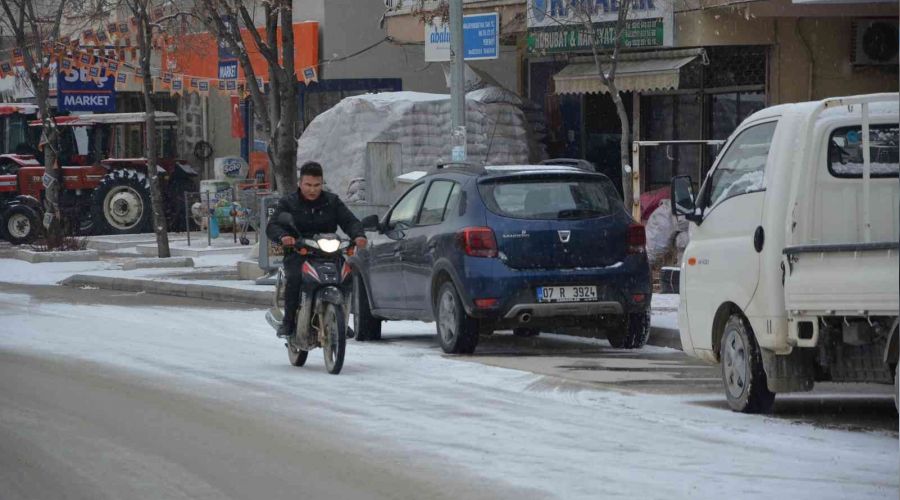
(457, 82)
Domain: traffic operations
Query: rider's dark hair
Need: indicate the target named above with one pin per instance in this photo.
(311, 168)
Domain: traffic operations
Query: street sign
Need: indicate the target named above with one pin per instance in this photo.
(228, 70)
(481, 38)
(78, 91)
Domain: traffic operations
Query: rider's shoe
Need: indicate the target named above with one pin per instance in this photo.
(286, 330)
(350, 333)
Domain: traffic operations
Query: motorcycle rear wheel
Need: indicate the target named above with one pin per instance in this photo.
(335, 324)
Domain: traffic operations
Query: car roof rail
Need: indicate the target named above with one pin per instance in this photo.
(461, 165)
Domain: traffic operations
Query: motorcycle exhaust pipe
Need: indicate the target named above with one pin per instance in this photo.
(524, 317)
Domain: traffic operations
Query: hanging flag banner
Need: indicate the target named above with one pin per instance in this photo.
(309, 75)
(237, 119)
(121, 81)
(177, 85)
(79, 91)
(203, 87)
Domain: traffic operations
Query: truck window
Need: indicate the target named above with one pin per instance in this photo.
(845, 152)
(742, 168)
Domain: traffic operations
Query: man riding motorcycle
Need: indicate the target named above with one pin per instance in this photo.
(313, 211)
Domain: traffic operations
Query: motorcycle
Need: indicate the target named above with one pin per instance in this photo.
(324, 301)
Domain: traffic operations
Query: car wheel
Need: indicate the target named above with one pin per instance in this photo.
(457, 332)
(632, 332)
(526, 332)
(21, 224)
(742, 369)
(366, 326)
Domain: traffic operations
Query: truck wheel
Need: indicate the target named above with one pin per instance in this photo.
(897, 387)
(457, 332)
(632, 333)
(21, 224)
(367, 326)
(121, 203)
(742, 369)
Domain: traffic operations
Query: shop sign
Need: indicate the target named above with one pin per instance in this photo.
(556, 26)
(78, 91)
(481, 38)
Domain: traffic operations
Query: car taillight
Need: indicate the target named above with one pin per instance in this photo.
(637, 239)
(478, 241)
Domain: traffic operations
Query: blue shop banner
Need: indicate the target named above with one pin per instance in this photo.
(78, 91)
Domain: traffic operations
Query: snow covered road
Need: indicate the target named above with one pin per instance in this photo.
(429, 421)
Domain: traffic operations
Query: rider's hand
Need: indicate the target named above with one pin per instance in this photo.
(288, 241)
(361, 243)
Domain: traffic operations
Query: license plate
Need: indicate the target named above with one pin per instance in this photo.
(566, 293)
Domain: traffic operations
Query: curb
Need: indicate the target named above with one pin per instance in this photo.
(35, 257)
(177, 289)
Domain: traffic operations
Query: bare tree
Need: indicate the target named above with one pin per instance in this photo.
(606, 59)
(276, 109)
(606, 69)
(149, 26)
(35, 32)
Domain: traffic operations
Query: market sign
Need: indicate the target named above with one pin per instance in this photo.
(78, 91)
(556, 26)
(481, 38)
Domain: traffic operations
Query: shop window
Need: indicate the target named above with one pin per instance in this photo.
(735, 66)
(671, 117)
(728, 110)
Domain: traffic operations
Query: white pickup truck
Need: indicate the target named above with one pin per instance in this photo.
(791, 274)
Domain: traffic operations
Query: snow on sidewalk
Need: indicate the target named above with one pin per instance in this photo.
(412, 403)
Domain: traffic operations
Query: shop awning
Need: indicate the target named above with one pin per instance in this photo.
(635, 73)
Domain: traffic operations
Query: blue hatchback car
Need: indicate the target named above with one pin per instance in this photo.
(479, 249)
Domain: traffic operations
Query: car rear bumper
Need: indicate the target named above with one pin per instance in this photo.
(622, 288)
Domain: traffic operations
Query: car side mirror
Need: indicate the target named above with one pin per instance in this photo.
(683, 201)
(370, 223)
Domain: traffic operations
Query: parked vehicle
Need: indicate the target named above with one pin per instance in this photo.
(479, 249)
(20, 215)
(325, 297)
(791, 273)
(105, 186)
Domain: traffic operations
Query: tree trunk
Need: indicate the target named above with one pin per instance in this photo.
(625, 145)
(156, 199)
(51, 165)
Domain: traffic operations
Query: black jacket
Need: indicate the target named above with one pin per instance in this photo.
(322, 215)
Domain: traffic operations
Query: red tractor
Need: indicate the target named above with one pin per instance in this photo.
(105, 184)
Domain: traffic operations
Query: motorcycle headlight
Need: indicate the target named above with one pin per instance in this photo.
(328, 246)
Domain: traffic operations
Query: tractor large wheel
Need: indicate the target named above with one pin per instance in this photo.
(121, 204)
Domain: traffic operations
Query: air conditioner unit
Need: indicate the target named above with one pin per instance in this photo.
(875, 42)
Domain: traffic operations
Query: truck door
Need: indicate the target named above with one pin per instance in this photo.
(722, 259)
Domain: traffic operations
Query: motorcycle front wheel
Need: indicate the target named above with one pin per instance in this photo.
(335, 325)
(296, 356)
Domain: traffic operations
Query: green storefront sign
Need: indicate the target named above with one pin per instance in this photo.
(577, 38)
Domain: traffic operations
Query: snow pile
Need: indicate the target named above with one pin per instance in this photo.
(497, 133)
(45, 273)
(661, 227)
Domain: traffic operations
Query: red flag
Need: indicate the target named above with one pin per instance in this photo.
(237, 119)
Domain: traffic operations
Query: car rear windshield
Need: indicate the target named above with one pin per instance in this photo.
(551, 198)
